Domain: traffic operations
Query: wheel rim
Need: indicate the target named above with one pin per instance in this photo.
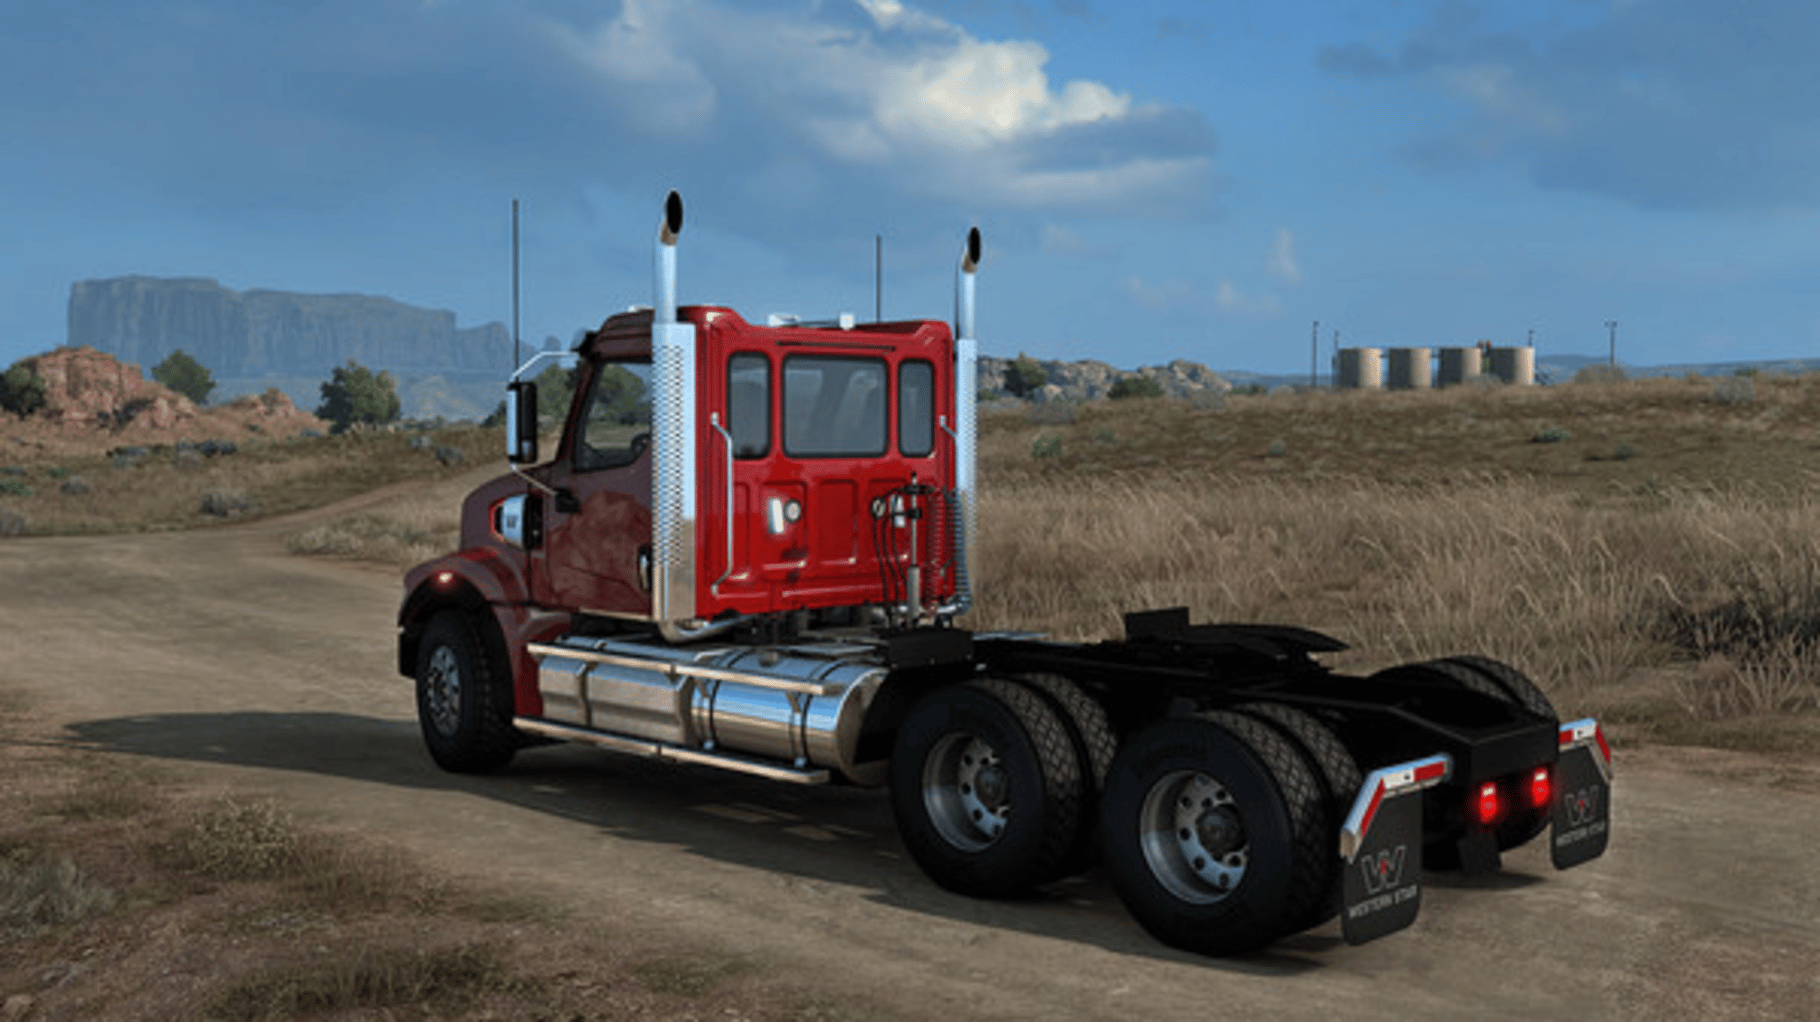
(1194, 837)
(966, 792)
(442, 687)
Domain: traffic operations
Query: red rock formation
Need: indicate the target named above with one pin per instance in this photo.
(85, 389)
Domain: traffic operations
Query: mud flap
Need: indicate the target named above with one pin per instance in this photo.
(1381, 847)
(1582, 806)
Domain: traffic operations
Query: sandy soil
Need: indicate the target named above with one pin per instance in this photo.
(217, 651)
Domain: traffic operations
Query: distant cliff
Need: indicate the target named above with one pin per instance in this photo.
(256, 333)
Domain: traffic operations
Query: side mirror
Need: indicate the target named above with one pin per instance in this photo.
(521, 422)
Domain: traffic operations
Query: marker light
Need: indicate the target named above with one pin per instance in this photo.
(1539, 788)
(443, 578)
(1488, 804)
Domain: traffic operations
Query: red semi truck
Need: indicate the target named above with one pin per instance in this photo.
(750, 551)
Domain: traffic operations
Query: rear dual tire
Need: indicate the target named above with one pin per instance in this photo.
(1217, 834)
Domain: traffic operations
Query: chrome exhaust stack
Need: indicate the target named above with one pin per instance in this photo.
(663, 305)
(966, 425)
(673, 468)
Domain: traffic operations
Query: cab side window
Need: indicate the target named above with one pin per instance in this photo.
(749, 404)
(616, 425)
(915, 409)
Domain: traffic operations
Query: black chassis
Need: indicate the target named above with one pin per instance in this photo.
(1165, 665)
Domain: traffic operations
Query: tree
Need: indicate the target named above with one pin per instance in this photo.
(1134, 386)
(356, 394)
(1024, 377)
(21, 390)
(185, 375)
(556, 391)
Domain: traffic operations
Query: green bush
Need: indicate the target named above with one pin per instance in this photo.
(1046, 447)
(14, 488)
(1277, 448)
(1135, 386)
(356, 394)
(185, 375)
(1024, 376)
(21, 390)
(1551, 435)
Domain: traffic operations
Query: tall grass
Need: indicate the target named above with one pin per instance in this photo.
(1578, 595)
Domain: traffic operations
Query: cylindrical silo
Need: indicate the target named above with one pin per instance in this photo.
(1457, 364)
(1410, 369)
(1515, 366)
(1361, 369)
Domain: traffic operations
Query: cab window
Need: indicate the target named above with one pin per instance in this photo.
(834, 406)
(915, 409)
(616, 424)
(749, 404)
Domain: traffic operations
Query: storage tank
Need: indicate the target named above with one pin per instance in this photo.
(1361, 369)
(1410, 368)
(1515, 366)
(1457, 364)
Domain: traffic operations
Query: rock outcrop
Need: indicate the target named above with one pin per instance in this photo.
(87, 390)
(1092, 380)
(259, 333)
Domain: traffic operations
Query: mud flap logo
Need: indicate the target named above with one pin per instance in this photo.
(1383, 870)
(1582, 812)
(1382, 886)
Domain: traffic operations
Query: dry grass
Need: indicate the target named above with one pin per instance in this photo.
(188, 904)
(168, 490)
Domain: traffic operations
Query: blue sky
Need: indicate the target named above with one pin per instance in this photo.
(1198, 179)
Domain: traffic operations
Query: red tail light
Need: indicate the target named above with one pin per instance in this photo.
(1488, 804)
(1540, 788)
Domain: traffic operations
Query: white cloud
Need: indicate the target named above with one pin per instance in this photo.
(1281, 261)
(904, 96)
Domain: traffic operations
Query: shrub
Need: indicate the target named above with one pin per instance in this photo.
(1277, 448)
(1551, 435)
(222, 503)
(1046, 447)
(1024, 376)
(185, 375)
(1626, 451)
(1251, 390)
(21, 390)
(240, 839)
(355, 394)
(1734, 390)
(1135, 386)
(75, 486)
(11, 523)
(14, 488)
(450, 456)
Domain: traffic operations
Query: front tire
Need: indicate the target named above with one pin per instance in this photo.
(464, 701)
(987, 789)
(1211, 829)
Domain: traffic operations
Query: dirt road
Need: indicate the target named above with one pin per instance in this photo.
(273, 672)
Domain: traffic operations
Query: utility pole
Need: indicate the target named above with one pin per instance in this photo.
(1314, 347)
(1532, 336)
(878, 283)
(514, 285)
(1612, 325)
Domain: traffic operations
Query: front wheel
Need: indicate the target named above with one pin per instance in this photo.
(987, 789)
(1211, 829)
(464, 701)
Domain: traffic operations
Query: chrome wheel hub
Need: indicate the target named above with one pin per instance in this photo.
(966, 792)
(1193, 837)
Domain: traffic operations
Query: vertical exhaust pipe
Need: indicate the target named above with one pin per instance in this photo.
(663, 304)
(966, 429)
